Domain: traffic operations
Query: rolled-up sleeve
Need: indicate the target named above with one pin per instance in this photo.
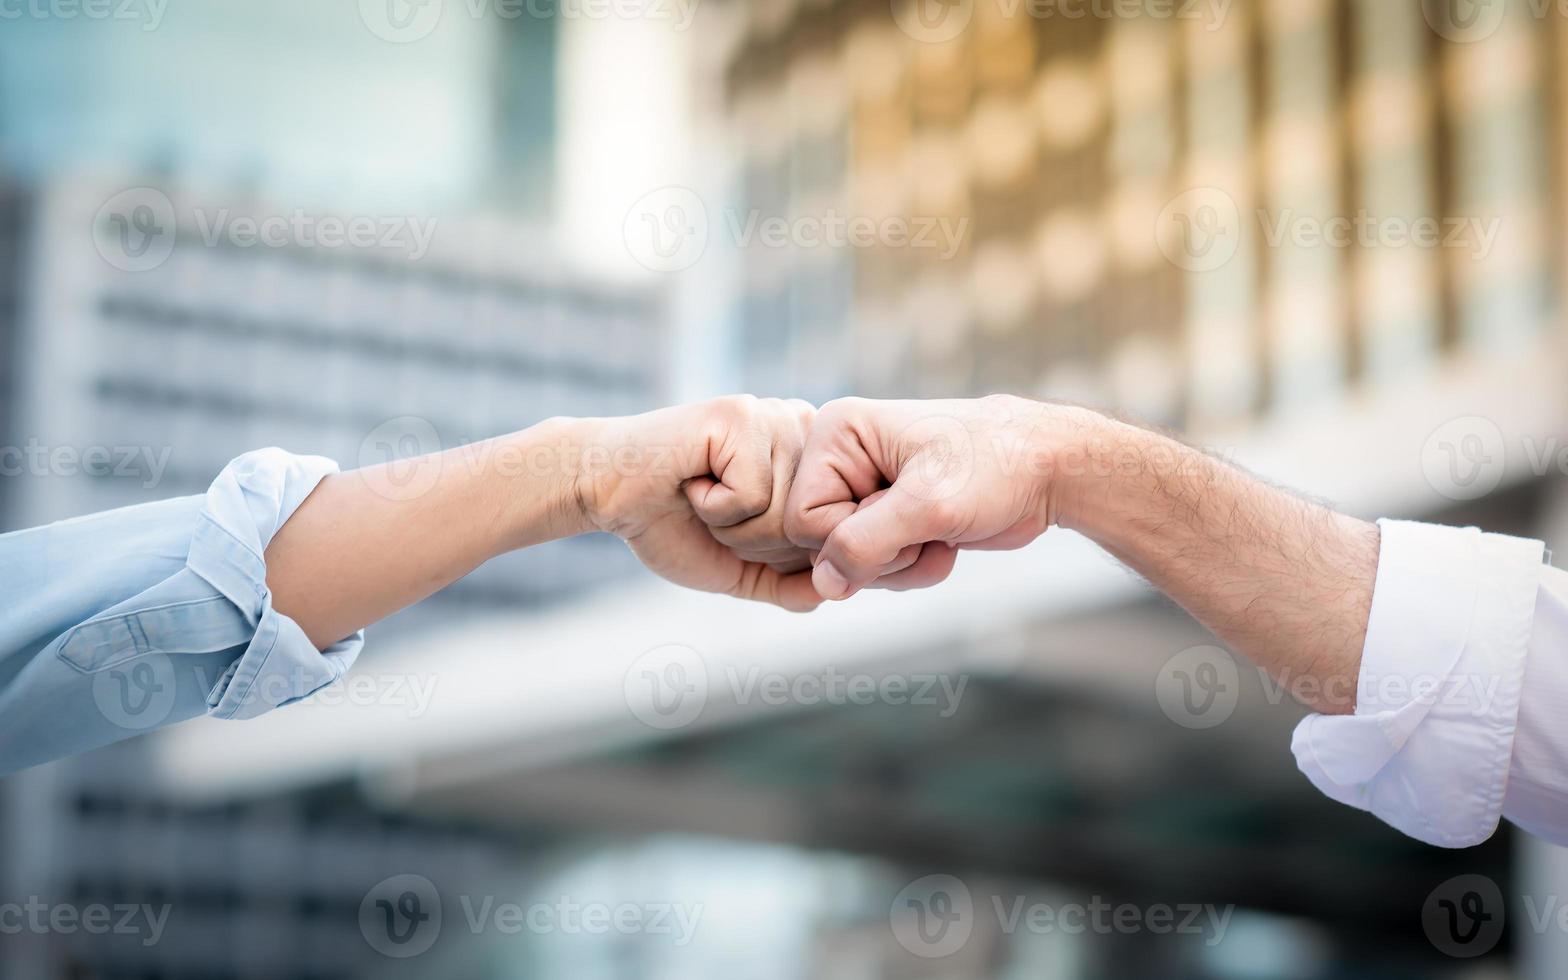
(1440, 701)
(118, 623)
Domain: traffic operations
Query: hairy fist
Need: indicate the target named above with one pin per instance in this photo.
(887, 490)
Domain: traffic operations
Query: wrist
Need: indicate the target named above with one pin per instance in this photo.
(1109, 476)
(630, 469)
(537, 473)
(1071, 447)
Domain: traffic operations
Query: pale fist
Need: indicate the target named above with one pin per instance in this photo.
(698, 492)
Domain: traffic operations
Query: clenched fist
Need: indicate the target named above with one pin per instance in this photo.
(888, 490)
(698, 492)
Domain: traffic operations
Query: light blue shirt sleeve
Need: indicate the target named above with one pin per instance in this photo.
(118, 623)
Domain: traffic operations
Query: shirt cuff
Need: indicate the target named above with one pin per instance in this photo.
(1428, 748)
(246, 505)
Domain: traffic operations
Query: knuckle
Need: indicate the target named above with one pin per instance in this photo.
(839, 408)
(795, 526)
(941, 513)
(805, 528)
(854, 543)
(738, 406)
(1001, 401)
(754, 498)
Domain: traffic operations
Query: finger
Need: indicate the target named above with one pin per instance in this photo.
(909, 556)
(835, 471)
(719, 504)
(905, 558)
(867, 542)
(796, 593)
(935, 565)
(790, 567)
(764, 532)
(773, 556)
(763, 584)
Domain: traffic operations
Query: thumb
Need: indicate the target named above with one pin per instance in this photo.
(866, 542)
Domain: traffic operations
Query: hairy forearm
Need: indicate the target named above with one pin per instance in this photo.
(1285, 581)
(369, 542)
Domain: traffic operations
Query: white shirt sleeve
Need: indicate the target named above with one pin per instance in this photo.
(1459, 716)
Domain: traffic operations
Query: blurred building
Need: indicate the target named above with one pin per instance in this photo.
(1205, 215)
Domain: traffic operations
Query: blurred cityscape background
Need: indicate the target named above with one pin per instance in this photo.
(1324, 237)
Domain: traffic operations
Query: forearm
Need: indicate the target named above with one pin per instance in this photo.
(369, 542)
(1285, 581)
